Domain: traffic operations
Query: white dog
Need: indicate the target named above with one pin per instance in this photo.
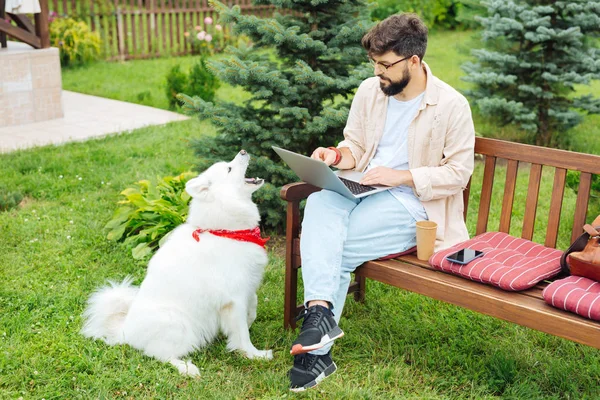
(199, 282)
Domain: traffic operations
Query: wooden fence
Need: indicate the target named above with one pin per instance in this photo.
(147, 28)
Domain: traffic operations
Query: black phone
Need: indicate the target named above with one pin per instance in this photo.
(464, 256)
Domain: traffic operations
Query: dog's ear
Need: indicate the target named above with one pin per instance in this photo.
(197, 187)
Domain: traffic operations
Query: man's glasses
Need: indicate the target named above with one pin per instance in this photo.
(376, 64)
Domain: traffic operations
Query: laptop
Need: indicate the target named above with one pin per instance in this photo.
(317, 173)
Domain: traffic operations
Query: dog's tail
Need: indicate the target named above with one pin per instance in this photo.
(106, 311)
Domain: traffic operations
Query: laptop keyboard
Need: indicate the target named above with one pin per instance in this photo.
(355, 187)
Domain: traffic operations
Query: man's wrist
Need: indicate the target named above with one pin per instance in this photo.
(338, 155)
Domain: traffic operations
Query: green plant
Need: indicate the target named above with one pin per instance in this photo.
(440, 13)
(9, 200)
(149, 212)
(176, 83)
(200, 82)
(208, 39)
(76, 43)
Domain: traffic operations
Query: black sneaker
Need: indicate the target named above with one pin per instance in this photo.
(318, 329)
(309, 370)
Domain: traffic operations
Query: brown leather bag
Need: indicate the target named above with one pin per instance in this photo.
(583, 257)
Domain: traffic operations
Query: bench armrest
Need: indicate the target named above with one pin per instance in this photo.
(297, 191)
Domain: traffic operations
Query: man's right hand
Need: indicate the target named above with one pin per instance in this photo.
(324, 154)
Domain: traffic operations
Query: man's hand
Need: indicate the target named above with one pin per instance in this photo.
(387, 177)
(324, 154)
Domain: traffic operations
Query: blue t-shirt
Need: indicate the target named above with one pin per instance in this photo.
(392, 151)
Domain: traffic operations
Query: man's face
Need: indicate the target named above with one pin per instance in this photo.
(396, 77)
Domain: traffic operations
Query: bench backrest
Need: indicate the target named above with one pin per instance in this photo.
(515, 153)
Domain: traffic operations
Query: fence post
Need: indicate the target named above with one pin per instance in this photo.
(153, 45)
(120, 34)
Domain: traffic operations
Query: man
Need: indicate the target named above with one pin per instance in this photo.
(407, 130)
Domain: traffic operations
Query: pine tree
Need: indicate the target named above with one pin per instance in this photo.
(301, 73)
(536, 52)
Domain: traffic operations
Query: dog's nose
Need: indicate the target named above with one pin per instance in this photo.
(243, 152)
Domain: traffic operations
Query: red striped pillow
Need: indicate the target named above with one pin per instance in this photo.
(508, 262)
(576, 294)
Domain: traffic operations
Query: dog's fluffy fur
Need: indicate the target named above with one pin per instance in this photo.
(192, 290)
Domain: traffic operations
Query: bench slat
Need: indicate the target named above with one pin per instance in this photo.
(583, 195)
(558, 191)
(486, 194)
(533, 192)
(538, 155)
(510, 306)
(509, 195)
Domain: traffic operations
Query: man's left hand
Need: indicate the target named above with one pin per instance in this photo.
(386, 177)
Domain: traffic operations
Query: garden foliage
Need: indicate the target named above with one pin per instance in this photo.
(438, 13)
(76, 43)
(149, 212)
(536, 53)
(199, 82)
(301, 74)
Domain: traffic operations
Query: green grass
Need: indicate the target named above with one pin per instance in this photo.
(138, 81)
(54, 253)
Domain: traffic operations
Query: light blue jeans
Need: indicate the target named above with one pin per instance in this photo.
(339, 234)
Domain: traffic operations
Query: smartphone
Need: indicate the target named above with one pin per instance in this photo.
(464, 256)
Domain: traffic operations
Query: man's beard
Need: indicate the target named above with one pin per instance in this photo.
(394, 88)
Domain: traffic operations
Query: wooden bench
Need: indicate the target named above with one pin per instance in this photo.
(526, 308)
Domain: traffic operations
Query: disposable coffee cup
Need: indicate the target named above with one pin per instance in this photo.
(425, 239)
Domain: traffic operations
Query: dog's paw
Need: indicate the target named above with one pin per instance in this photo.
(186, 368)
(261, 354)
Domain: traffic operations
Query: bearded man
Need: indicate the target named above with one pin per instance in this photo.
(407, 130)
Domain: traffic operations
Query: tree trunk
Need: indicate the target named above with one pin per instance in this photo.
(544, 134)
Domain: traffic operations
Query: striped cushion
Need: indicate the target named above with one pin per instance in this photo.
(576, 294)
(508, 262)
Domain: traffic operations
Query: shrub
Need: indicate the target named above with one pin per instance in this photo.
(76, 43)
(441, 13)
(149, 212)
(200, 82)
(176, 83)
(9, 200)
(208, 39)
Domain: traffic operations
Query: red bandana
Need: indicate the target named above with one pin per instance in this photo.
(247, 235)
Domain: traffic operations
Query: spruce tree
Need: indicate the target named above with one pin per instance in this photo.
(301, 72)
(536, 52)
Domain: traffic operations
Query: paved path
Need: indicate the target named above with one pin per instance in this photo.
(85, 117)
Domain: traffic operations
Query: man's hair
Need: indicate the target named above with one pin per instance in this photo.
(404, 34)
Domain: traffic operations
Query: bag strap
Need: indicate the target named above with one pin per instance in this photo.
(580, 243)
(591, 230)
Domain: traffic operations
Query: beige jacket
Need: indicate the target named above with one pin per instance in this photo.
(441, 141)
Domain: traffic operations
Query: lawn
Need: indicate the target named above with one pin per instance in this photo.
(137, 81)
(398, 344)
